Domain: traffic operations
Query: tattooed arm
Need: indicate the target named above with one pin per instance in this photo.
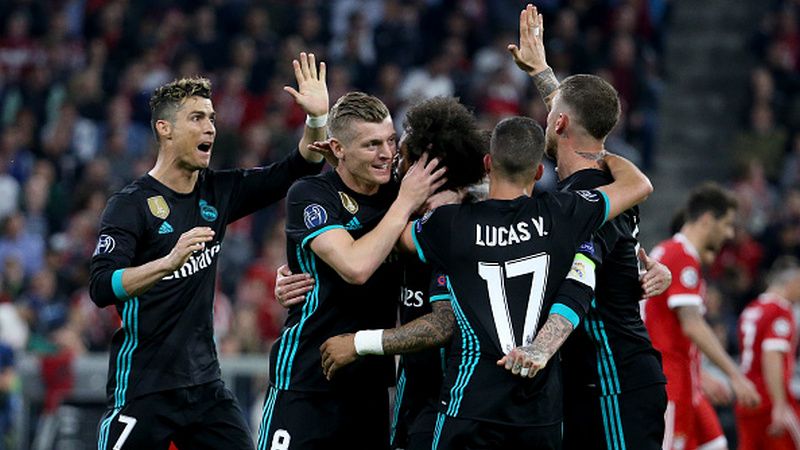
(527, 361)
(429, 331)
(530, 55)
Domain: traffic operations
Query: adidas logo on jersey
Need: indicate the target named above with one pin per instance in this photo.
(165, 228)
(354, 224)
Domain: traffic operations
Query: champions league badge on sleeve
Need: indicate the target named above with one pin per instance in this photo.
(105, 244)
(314, 215)
(589, 196)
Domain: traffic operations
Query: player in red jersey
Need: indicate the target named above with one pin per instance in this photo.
(679, 331)
(768, 339)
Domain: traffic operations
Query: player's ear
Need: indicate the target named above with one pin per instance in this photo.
(487, 163)
(562, 122)
(164, 129)
(539, 172)
(336, 148)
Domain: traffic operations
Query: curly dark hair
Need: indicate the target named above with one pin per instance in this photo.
(447, 130)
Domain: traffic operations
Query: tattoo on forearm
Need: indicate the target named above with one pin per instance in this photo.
(554, 332)
(429, 331)
(546, 83)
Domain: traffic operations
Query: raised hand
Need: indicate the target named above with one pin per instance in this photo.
(530, 55)
(189, 242)
(312, 91)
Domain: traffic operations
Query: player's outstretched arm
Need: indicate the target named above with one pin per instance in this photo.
(429, 331)
(630, 186)
(133, 281)
(356, 260)
(530, 54)
(311, 95)
(695, 327)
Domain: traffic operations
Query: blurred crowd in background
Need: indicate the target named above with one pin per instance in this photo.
(76, 76)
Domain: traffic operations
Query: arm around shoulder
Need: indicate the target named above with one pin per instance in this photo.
(630, 186)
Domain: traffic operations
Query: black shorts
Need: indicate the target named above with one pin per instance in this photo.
(453, 433)
(325, 420)
(630, 420)
(198, 417)
(413, 427)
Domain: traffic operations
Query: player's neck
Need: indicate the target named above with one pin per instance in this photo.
(500, 189)
(174, 177)
(695, 235)
(354, 183)
(579, 155)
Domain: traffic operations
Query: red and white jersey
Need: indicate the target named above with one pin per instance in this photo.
(767, 324)
(680, 356)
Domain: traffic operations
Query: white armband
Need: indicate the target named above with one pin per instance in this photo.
(318, 121)
(369, 342)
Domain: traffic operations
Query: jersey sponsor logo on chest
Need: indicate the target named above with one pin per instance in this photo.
(197, 262)
(500, 236)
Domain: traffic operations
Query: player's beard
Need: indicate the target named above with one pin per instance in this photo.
(551, 147)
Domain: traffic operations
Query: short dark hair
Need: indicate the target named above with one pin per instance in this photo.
(782, 270)
(517, 147)
(594, 101)
(446, 129)
(709, 197)
(167, 98)
(358, 106)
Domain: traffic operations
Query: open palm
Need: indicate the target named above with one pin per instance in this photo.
(312, 91)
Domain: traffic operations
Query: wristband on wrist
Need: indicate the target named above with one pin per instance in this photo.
(317, 121)
(369, 342)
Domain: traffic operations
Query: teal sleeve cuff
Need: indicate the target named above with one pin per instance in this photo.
(439, 298)
(566, 312)
(608, 206)
(311, 236)
(416, 242)
(116, 285)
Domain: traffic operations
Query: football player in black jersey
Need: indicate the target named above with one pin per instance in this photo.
(613, 380)
(341, 227)
(495, 412)
(156, 260)
(445, 129)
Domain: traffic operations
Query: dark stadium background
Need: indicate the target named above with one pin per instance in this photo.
(709, 91)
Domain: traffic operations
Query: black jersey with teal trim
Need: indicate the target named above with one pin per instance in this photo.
(167, 338)
(505, 261)
(611, 350)
(314, 206)
(420, 374)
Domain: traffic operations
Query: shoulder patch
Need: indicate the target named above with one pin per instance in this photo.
(426, 216)
(314, 215)
(587, 247)
(158, 206)
(589, 196)
(781, 327)
(689, 277)
(441, 280)
(348, 202)
(105, 244)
